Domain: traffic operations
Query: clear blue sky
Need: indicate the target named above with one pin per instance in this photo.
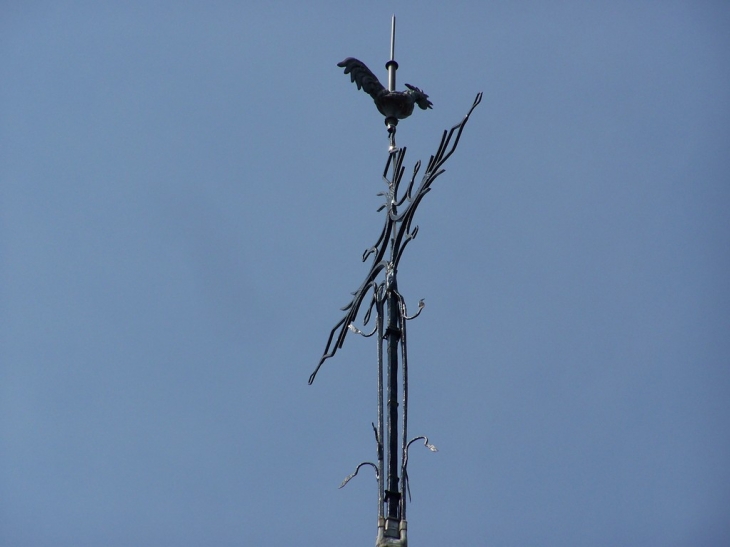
(186, 189)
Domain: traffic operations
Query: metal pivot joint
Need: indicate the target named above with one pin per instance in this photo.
(380, 286)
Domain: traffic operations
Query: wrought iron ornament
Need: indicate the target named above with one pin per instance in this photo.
(389, 305)
(397, 231)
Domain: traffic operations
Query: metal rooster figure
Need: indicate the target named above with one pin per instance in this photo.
(394, 105)
(381, 286)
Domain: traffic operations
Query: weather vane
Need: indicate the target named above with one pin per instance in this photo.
(394, 105)
(381, 285)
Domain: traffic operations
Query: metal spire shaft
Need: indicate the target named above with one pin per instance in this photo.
(392, 494)
(393, 334)
(391, 65)
(381, 423)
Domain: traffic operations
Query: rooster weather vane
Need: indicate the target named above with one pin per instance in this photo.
(389, 305)
(394, 105)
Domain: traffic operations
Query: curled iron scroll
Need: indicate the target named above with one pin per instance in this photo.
(428, 445)
(371, 464)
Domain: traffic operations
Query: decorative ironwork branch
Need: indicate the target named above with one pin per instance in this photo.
(396, 230)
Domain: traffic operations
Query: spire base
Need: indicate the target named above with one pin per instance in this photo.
(384, 540)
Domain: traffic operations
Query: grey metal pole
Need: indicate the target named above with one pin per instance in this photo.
(391, 65)
(381, 422)
(404, 412)
(393, 334)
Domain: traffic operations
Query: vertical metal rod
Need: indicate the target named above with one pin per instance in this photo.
(381, 421)
(404, 411)
(391, 65)
(393, 335)
(392, 38)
